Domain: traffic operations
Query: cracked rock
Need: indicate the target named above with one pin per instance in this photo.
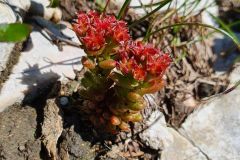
(39, 65)
(214, 126)
(173, 145)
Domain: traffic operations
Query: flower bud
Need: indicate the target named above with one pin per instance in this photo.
(115, 120)
(88, 63)
(137, 106)
(137, 117)
(107, 64)
(124, 126)
(155, 86)
(134, 97)
(94, 52)
(117, 111)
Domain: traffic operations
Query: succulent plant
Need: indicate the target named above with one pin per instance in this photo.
(119, 71)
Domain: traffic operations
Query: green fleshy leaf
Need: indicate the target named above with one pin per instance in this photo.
(14, 32)
(54, 3)
(124, 81)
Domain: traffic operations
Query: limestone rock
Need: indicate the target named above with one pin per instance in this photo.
(234, 77)
(5, 51)
(214, 127)
(39, 64)
(14, 11)
(8, 15)
(157, 135)
(173, 146)
(181, 149)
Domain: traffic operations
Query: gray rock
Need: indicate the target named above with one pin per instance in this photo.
(234, 77)
(14, 11)
(173, 146)
(214, 126)
(40, 64)
(157, 135)
(181, 149)
(5, 51)
(7, 15)
(18, 128)
(64, 101)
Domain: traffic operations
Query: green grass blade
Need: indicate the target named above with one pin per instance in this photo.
(146, 5)
(54, 3)
(235, 23)
(225, 27)
(235, 40)
(165, 2)
(14, 32)
(123, 9)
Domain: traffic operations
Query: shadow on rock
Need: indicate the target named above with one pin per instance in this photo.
(226, 53)
(77, 137)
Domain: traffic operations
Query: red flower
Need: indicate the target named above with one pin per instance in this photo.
(157, 66)
(107, 25)
(120, 32)
(82, 24)
(133, 57)
(126, 65)
(139, 73)
(93, 40)
(93, 30)
(137, 48)
(141, 60)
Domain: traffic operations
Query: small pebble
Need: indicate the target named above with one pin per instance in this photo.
(64, 101)
(123, 135)
(129, 135)
(21, 148)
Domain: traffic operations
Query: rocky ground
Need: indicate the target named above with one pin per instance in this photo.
(37, 127)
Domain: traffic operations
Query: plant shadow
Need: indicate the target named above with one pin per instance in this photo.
(42, 86)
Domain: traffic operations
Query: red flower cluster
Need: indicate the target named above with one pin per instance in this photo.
(96, 30)
(142, 61)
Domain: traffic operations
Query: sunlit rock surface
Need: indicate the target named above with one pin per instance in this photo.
(172, 145)
(14, 11)
(214, 127)
(40, 63)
